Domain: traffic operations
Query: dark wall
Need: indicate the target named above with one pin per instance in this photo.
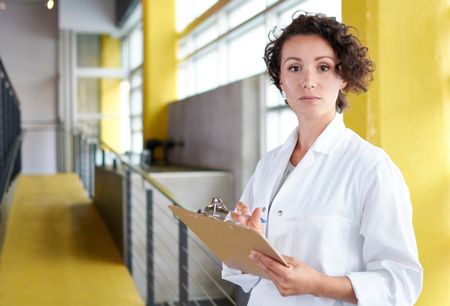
(108, 200)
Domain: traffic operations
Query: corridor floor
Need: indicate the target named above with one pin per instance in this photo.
(57, 250)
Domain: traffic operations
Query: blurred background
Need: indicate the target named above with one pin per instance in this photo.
(177, 89)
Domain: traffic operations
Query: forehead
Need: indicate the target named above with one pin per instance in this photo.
(306, 46)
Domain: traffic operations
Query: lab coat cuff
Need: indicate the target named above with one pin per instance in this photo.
(245, 281)
(366, 286)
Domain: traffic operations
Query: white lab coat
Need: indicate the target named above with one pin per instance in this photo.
(344, 210)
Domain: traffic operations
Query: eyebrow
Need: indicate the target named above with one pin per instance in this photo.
(316, 59)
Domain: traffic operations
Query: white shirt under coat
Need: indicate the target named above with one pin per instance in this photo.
(344, 210)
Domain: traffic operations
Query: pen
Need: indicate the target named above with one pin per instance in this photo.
(263, 220)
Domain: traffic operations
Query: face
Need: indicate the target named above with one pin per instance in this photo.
(308, 76)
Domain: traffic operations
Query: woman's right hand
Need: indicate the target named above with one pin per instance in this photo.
(242, 215)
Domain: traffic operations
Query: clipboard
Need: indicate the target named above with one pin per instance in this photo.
(230, 242)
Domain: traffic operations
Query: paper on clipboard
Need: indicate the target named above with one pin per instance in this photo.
(230, 242)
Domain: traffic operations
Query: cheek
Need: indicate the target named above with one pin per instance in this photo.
(334, 85)
(286, 84)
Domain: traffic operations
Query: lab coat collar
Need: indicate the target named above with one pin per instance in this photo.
(329, 137)
(324, 143)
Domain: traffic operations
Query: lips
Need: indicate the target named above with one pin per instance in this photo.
(309, 98)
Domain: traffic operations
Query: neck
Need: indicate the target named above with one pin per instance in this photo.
(308, 131)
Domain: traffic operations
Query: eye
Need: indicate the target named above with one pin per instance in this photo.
(324, 68)
(295, 68)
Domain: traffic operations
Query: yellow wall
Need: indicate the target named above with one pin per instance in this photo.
(110, 93)
(160, 66)
(407, 113)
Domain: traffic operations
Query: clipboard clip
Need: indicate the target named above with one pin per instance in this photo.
(217, 210)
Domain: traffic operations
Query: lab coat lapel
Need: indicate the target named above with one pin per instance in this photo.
(278, 165)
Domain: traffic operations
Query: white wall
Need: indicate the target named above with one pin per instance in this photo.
(28, 48)
(89, 16)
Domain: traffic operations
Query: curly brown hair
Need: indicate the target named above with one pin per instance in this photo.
(353, 66)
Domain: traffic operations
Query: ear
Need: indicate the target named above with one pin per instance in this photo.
(343, 85)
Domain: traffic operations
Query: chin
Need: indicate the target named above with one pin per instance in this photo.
(309, 112)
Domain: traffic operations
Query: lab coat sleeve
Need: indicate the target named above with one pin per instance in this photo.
(245, 281)
(392, 273)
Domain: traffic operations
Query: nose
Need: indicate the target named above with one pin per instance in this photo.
(308, 84)
(309, 80)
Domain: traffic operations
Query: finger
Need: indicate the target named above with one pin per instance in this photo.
(236, 216)
(255, 219)
(274, 277)
(242, 208)
(276, 269)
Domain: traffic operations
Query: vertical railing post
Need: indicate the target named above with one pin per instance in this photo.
(82, 161)
(2, 116)
(86, 164)
(150, 258)
(103, 158)
(76, 144)
(92, 152)
(129, 244)
(183, 264)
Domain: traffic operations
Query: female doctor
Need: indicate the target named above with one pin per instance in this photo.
(334, 204)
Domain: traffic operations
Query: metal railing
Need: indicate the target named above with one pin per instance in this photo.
(170, 265)
(10, 133)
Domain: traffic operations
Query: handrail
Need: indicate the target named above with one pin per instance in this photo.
(163, 190)
(140, 228)
(10, 163)
(3, 70)
(11, 133)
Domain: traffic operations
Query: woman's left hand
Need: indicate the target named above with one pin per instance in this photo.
(297, 278)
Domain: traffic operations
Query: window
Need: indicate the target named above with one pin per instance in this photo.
(207, 76)
(98, 73)
(189, 10)
(229, 45)
(133, 44)
(245, 53)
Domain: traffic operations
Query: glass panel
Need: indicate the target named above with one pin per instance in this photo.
(328, 7)
(273, 96)
(136, 102)
(272, 130)
(190, 78)
(136, 80)
(279, 125)
(136, 142)
(182, 19)
(289, 122)
(88, 50)
(245, 11)
(88, 95)
(125, 136)
(206, 35)
(136, 123)
(207, 72)
(245, 53)
(136, 48)
(182, 48)
(188, 10)
(199, 7)
(182, 80)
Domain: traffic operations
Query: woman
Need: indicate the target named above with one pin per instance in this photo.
(335, 205)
